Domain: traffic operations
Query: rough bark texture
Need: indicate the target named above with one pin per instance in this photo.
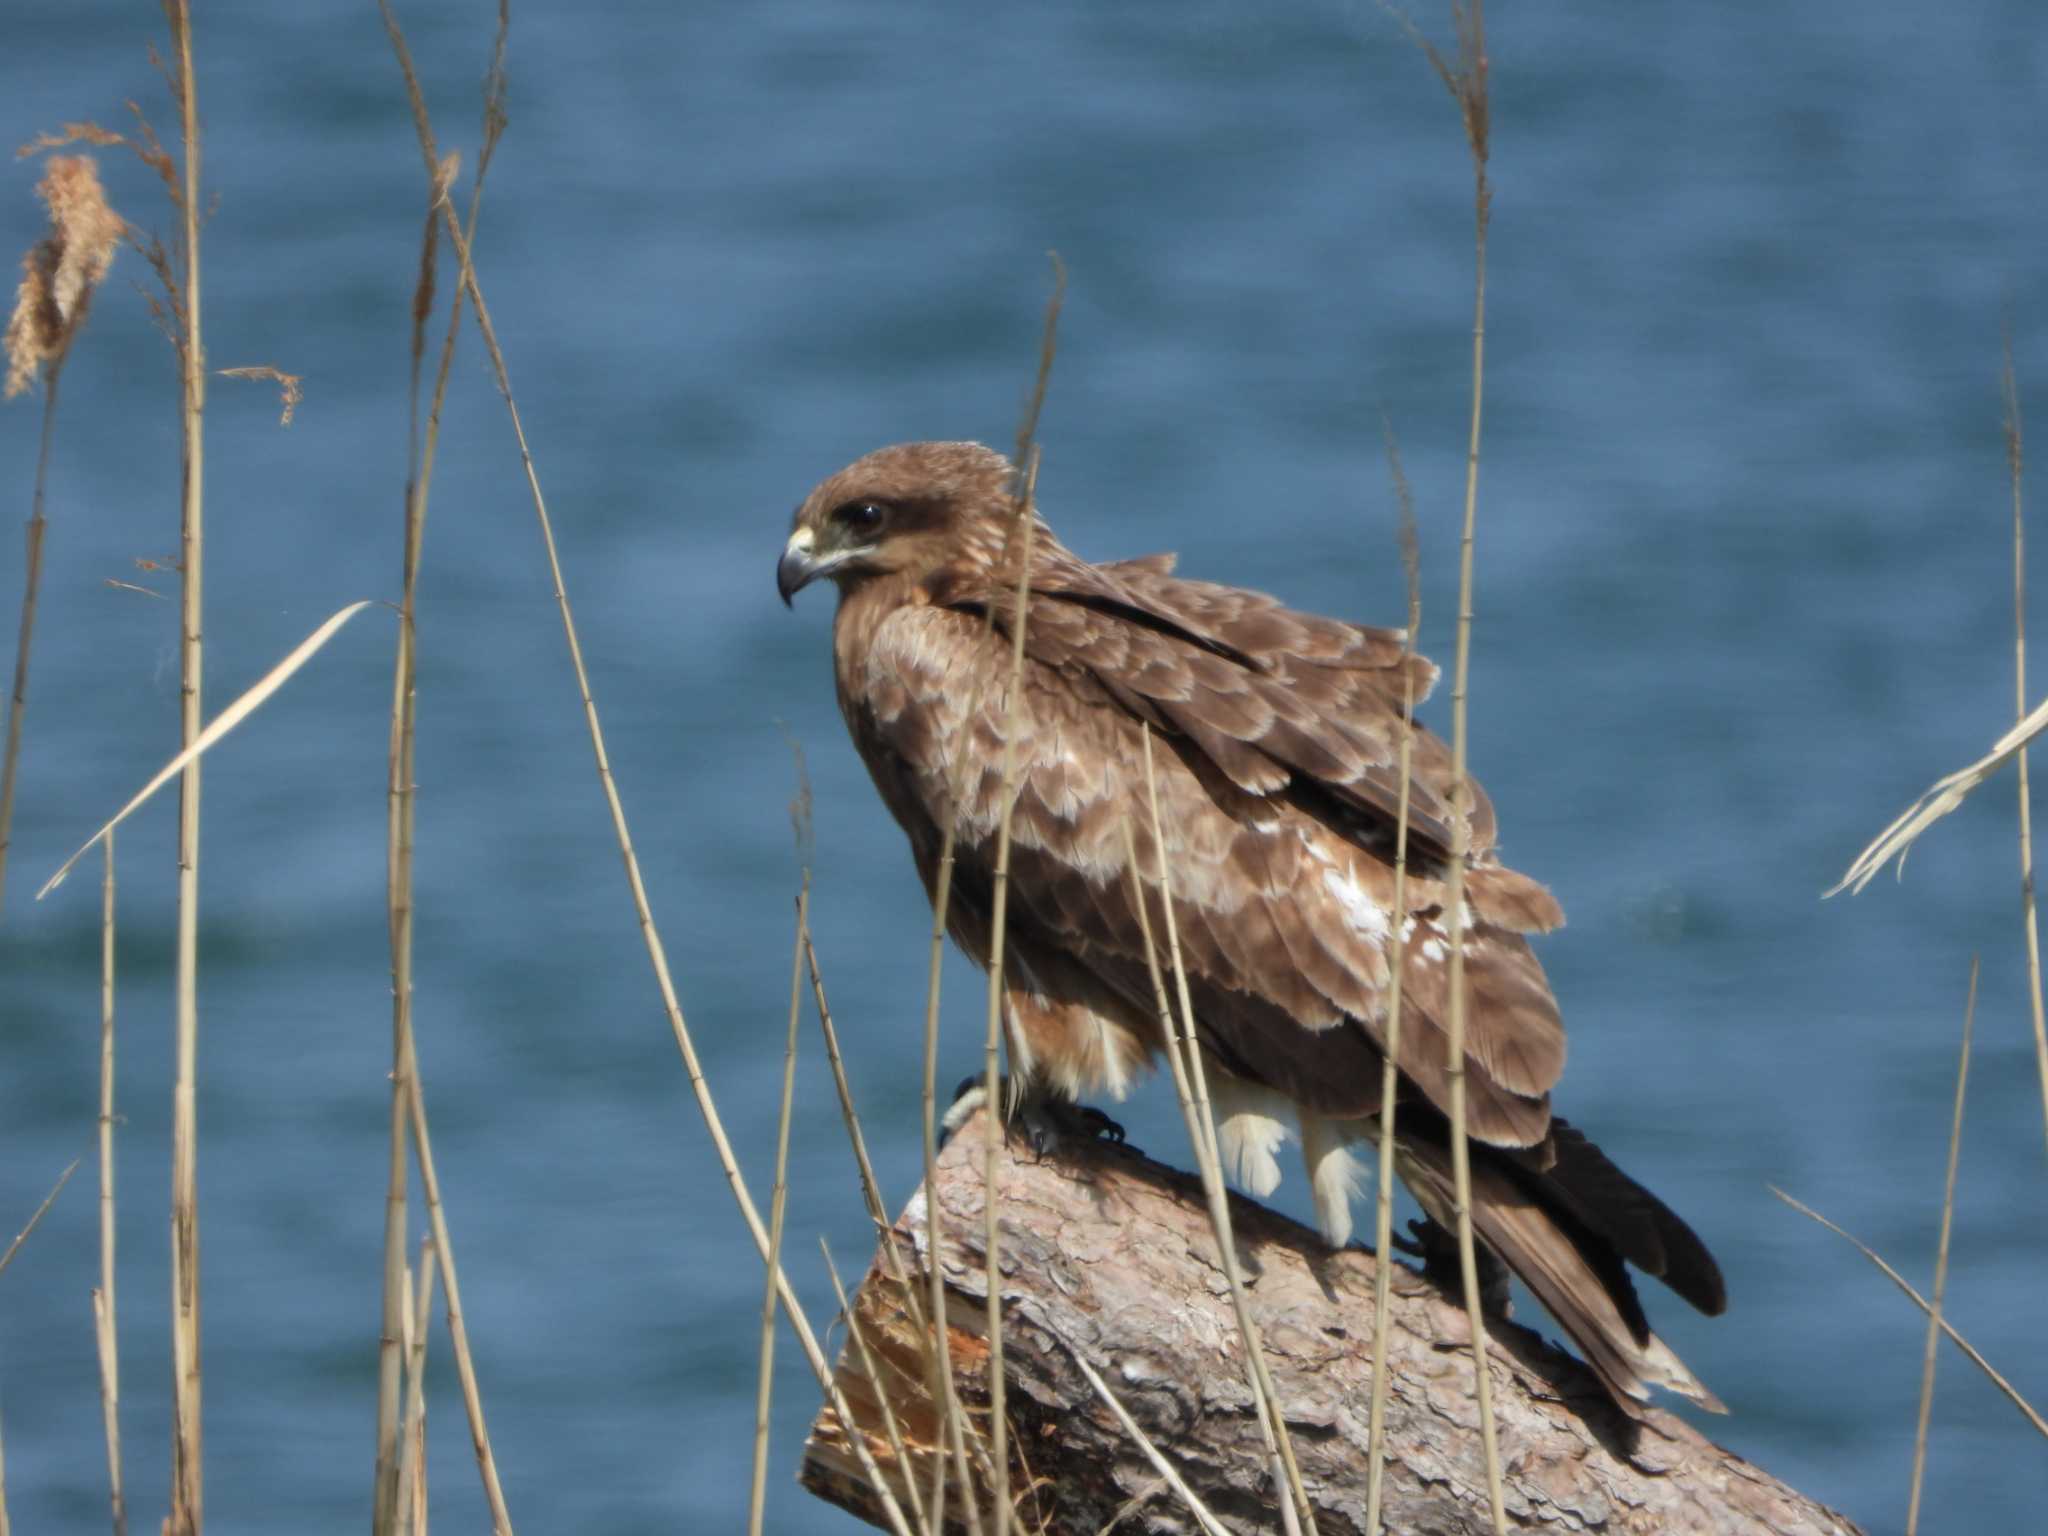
(1109, 1255)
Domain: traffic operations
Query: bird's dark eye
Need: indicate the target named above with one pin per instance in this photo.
(861, 516)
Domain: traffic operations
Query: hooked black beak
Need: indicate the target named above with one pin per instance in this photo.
(797, 567)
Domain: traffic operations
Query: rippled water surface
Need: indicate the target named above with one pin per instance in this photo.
(1744, 586)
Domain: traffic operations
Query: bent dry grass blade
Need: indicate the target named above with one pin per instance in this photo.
(2012, 1393)
(1936, 801)
(223, 723)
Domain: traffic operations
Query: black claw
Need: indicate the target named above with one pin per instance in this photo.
(1099, 1124)
(1045, 1121)
(1064, 1120)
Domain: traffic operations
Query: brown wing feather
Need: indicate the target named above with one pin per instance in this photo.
(1282, 919)
(1273, 696)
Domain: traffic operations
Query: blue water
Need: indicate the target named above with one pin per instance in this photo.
(1744, 588)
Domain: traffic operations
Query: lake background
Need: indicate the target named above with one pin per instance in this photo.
(1744, 587)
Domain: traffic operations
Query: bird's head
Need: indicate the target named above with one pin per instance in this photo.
(911, 511)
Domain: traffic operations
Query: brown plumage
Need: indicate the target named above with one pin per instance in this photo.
(1277, 736)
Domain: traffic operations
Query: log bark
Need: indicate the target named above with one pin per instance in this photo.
(1108, 1256)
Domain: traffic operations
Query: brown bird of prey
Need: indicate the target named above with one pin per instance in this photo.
(1277, 740)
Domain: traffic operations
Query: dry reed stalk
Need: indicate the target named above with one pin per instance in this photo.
(104, 1334)
(870, 1187)
(1190, 1083)
(942, 1385)
(42, 1210)
(418, 1489)
(2012, 1393)
(994, 1121)
(187, 1460)
(399, 915)
(778, 1195)
(400, 823)
(942, 1392)
(1017, 546)
(403, 780)
(657, 952)
(59, 274)
(440, 174)
(1160, 1464)
(389, 1346)
(412, 1456)
(1383, 1215)
(32, 579)
(891, 1256)
(6, 1259)
(2015, 459)
(871, 1191)
(1202, 1138)
(1467, 83)
(870, 1368)
(458, 1329)
(1948, 1211)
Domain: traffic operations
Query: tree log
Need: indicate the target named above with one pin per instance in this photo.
(1109, 1256)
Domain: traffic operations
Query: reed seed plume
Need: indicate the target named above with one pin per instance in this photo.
(290, 386)
(77, 133)
(60, 272)
(168, 312)
(59, 275)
